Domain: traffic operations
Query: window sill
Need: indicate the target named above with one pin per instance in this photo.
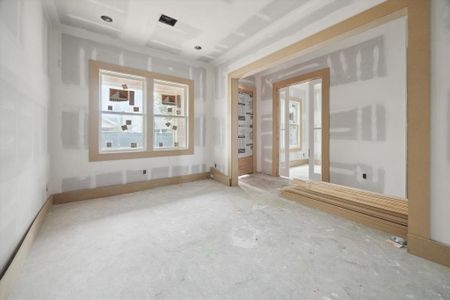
(138, 154)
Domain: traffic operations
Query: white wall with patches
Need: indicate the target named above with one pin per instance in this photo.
(308, 23)
(70, 167)
(24, 99)
(440, 121)
(367, 107)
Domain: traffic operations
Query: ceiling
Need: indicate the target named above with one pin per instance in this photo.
(219, 26)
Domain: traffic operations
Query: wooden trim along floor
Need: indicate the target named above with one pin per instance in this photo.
(10, 276)
(113, 190)
(13, 269)
(429, 249)
(389, 214)
(220, 177)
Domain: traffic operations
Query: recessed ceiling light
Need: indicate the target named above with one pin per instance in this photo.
(198, 47)
(168, 20)
(106, 19)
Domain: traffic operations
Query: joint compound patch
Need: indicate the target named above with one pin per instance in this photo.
(244, 236)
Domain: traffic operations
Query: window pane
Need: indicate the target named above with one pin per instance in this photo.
(122, 132)
(169, 133)
(293, 136)
(170, 98)
(121, 93)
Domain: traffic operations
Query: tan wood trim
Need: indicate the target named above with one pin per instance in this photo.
(245, 165)
(324, 75)
(220, 177)
(252, 91)
(13, 270)
(429, 249)
(379, 14)
(113, 190)
(299, 162)
(418, 91)
(94, 89)
(418, 118)
(377, 223)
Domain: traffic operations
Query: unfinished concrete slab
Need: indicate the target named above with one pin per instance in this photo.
(203, 240)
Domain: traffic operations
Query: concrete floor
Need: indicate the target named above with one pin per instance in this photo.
(202, 240)
(301, 172)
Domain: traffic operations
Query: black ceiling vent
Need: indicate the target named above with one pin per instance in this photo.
(168, 20)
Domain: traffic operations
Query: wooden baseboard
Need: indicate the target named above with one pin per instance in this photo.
(12, 272)
(220, 177)
(113, 190)
(380, 224)
(429, 249)
(245, 165)
(300, 162)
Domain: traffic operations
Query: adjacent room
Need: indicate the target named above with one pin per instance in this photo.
(254, 149)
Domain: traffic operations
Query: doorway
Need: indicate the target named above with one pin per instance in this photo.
(246, 128)
(300, 127)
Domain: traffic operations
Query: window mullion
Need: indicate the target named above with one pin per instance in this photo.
(149, 102)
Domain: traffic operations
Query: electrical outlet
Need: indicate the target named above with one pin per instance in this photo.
(364, 176)
(144, 171)
(215, 165)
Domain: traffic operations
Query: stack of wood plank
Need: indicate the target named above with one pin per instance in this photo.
(383, 212)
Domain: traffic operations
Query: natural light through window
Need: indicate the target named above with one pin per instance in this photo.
(136, 113)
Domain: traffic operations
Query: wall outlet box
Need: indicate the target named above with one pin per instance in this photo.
(364, 176)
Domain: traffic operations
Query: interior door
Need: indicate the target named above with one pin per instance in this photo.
(315, 130)
(284, 132)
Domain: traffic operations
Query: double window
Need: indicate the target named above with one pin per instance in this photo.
(135, 113)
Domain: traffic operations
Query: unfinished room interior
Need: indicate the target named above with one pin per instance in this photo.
(224, 149)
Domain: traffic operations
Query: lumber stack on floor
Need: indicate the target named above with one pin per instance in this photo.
(383, 212)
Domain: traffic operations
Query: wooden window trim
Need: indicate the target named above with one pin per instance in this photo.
(94, 113)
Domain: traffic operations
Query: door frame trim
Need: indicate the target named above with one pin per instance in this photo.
(324, 75)
(418, 97)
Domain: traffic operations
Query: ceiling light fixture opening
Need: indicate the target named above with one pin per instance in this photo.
(198, 47)
(106, 19)
(168, 20)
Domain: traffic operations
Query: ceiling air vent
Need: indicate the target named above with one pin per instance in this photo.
(167, 20)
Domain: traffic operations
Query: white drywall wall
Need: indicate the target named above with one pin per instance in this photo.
(440, 121)
(23, 119)
(70, 167)
(367, 107)
(220, 120)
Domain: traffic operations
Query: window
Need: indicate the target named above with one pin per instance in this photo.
(122, 113)
(170, 118)
(135, 113)
(295, 112)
